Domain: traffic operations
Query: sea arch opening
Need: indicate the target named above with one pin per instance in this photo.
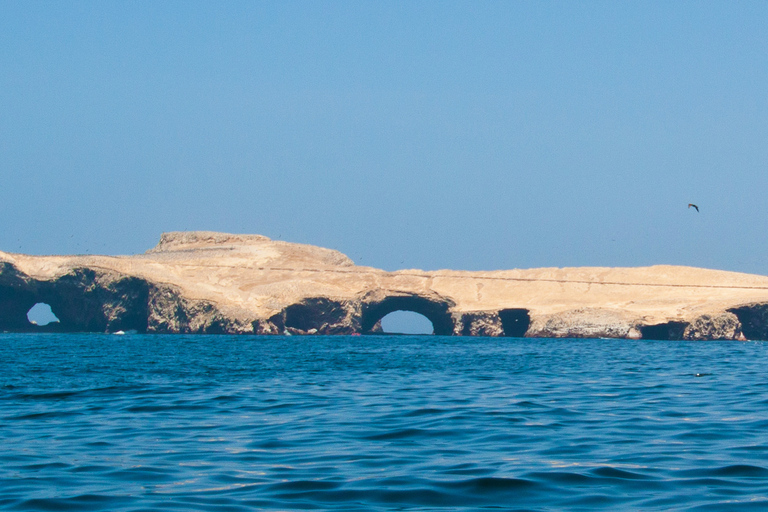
(406, 322)
(435, 311)
(41, 314)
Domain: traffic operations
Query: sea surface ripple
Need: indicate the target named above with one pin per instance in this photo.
(236, 423)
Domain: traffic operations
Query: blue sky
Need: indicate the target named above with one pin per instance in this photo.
(466, 135)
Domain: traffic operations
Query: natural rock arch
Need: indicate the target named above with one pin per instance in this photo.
(83, 300)
(436, 310)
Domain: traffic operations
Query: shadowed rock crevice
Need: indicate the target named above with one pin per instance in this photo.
(14, 305)
(320, 316)
(373, 310)
(170, 312)
(17, 296)
(665, 331)
(515, 322)
(754, 320)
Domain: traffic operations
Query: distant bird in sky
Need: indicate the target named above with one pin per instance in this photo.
(691, 205)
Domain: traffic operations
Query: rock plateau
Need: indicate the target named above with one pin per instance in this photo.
(205, 282)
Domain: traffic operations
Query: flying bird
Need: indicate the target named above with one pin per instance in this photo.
(690, 205)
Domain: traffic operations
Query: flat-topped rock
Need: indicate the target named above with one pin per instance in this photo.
(208, 282)
(198, 240)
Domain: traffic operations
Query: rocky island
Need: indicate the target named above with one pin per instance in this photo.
(218, 283)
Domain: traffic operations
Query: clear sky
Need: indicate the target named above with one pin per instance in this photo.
(467, 135)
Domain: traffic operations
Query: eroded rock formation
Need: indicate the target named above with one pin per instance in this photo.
(204, 282)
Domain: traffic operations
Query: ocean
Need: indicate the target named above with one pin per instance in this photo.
(240, 423)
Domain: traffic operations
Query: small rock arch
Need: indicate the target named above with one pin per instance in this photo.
(82, 300)
(437, 310)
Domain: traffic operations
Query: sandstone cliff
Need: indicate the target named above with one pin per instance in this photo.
(204, 282)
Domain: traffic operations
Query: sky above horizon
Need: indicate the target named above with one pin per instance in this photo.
(464, 135)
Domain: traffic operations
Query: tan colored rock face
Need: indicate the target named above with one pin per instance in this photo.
(222, 283)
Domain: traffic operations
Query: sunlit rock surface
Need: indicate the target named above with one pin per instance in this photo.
(205, 282)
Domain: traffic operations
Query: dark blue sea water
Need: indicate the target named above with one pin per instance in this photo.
(235, 423)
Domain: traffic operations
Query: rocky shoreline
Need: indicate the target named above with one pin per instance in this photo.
(218, 283)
